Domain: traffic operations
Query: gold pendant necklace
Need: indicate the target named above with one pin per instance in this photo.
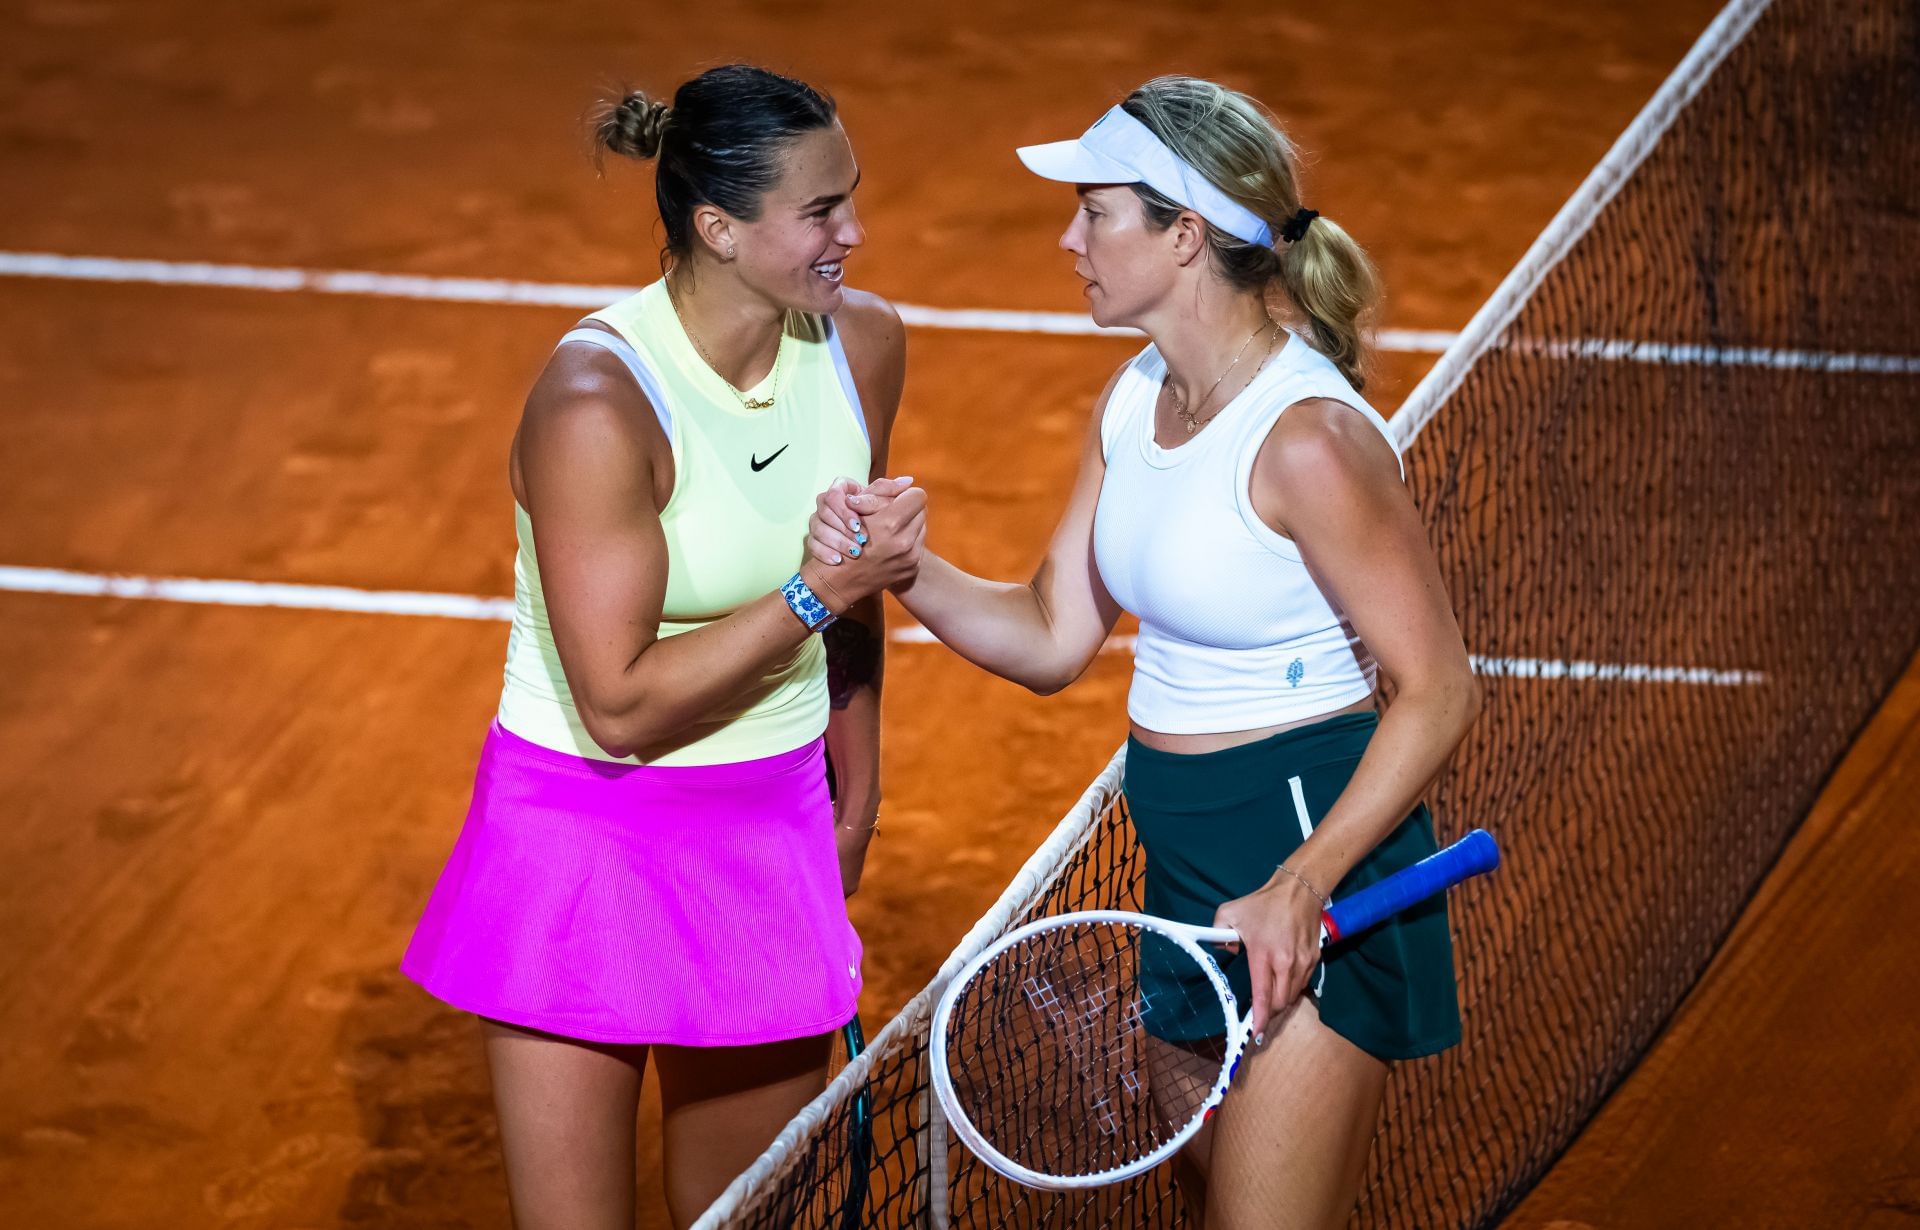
(746, 403)
(1191, 419)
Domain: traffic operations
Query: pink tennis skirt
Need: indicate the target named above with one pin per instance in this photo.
(689, 905)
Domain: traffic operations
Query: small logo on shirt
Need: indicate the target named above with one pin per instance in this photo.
(1296, 671)
(758, 465)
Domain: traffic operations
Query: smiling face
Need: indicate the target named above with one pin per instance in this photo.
(794, 253)
(1128, 265)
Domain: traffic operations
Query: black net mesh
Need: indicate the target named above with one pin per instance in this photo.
(1677, 505)
(896, 1134)
(1739, 495)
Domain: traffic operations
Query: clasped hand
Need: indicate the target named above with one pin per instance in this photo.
(870, 535)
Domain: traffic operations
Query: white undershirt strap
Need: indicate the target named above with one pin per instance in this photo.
(845, 371)
(643, 375)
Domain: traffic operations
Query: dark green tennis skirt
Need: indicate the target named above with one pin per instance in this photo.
(1215, 825)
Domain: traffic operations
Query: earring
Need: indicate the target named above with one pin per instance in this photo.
(729, 251)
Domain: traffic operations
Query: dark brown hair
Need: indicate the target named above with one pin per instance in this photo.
(718, 143)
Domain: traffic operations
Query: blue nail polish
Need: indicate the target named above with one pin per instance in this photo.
(854, 551)
(860, 538)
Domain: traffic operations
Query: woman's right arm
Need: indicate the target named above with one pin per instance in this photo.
(586, 449)
(1042, 634)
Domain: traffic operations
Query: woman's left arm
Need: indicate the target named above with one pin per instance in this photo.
(876, 345)
(1326, 479)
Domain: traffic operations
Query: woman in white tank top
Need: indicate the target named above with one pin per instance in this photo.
(1238, 495)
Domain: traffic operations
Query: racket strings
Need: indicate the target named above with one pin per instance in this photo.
(1085, 1047)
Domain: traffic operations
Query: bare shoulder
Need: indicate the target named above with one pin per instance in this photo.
(871, 326)
(1322, 441)
(586, 411)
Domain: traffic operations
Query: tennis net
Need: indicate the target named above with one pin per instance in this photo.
(1672, 474)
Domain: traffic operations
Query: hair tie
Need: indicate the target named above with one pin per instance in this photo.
(1297, 225)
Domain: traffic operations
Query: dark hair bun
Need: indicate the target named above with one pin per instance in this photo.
(634, 127)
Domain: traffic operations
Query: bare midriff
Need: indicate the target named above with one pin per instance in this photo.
(1193, 745)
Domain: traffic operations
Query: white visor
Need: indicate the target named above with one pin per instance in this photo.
(1121, 150)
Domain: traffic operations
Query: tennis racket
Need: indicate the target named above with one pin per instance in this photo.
(847, 1191)
(830, 1191)
(1086, 1048)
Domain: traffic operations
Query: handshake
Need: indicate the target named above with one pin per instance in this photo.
(865, 538)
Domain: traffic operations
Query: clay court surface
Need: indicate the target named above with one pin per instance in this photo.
(218, 825)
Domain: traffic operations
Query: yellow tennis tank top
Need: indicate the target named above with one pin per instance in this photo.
(744, 483)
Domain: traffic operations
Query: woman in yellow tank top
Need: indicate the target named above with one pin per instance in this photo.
(652, 867)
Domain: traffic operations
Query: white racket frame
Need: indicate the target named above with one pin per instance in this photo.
(1189, 939)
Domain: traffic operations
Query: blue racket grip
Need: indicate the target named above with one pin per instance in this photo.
(1470, 856)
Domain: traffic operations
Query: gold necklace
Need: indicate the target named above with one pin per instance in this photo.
(746, 403)
(1192, 420)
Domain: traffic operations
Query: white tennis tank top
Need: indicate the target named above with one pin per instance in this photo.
(1234, 632)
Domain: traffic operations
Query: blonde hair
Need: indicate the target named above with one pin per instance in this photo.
(1228, 138)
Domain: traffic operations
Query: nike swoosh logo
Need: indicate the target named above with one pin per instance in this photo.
(759, 465)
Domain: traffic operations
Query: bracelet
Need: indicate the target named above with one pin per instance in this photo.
(834, 590)
(806, 605)
(1317, 894)
(870, 829)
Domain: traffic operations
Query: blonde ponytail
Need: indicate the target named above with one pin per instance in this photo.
(1329, 278)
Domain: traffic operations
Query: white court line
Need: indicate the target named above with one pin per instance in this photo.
(1625, 672)
(540, 294)
(253, 593)
(501, 291)
(1717, 356)
(466, 606)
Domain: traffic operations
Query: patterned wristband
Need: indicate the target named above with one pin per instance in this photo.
(806, 605)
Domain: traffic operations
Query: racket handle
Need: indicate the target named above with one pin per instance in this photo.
(1470, 856)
